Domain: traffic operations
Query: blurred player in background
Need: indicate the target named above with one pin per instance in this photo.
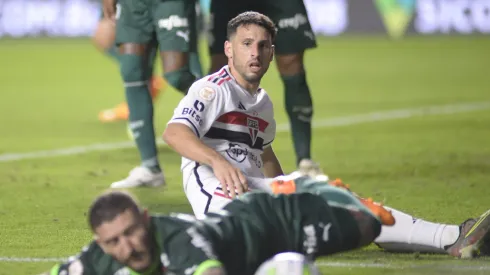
(294, 37)
(143, 28)
(235, 241)
(104, 41)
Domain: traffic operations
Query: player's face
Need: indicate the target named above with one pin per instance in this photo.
(127, 239)
(250, 51)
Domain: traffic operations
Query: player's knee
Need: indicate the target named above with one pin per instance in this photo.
(290, 64)
(180, 79)
(132, 68)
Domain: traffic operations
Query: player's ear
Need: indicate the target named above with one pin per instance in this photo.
(228, 49)
(273, 51)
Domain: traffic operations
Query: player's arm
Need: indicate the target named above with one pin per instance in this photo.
(192, 119)
(185, 142)
(272, 168)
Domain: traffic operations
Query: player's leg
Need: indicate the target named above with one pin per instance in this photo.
(135, 36)
(294, 37)
(175, 23)
(203, 190)
(410, 234)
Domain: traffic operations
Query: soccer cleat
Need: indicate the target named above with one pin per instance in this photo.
(384, 215)
(121, 111)
(473, 239)
(139, 177)
(283, 186)
(338, 183)
(379, 211)
(309, 168)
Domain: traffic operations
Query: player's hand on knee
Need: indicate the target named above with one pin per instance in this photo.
(231, 178)
(109, 9)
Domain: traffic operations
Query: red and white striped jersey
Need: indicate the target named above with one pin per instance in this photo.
(228, 119)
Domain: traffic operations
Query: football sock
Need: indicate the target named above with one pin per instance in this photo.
(300, 110)
(135, 77)
(410, 234)
(180, 79)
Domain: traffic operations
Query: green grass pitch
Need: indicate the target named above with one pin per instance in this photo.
(434, 166)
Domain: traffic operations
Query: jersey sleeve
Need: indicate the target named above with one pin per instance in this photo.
(189, 252)
(200, 107)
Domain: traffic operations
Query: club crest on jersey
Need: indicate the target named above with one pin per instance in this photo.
(253, 128)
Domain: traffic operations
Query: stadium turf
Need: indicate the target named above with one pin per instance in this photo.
(426, 151)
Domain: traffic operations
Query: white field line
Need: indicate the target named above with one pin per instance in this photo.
(321, 123)
(467, 267)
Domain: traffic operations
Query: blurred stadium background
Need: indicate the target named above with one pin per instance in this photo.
(402, 99)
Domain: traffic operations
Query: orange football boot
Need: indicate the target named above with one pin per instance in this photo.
(121, 111)
(283, 187)
(377, 208)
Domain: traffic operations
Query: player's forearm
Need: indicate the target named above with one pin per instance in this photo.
(185, 142)
(272, 168)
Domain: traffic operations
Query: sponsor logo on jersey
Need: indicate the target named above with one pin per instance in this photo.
(293, 22)
(236, 152)
(183, 34)
(310, 243)
(173, 21)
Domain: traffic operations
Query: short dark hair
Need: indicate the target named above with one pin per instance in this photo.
(108, 205)
(251, 18)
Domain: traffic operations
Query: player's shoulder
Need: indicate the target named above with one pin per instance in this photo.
(207, 90)
(165, 225)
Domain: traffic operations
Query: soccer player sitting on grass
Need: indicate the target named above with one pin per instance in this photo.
(236, 240)
(224, 127)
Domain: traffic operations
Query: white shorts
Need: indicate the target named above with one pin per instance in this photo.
(204, 192)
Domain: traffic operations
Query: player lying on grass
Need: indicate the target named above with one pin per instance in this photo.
(236, 240)
(408, 234)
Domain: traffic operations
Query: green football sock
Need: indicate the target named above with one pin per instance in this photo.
(195, 64)
(300, 110)
(138, 97)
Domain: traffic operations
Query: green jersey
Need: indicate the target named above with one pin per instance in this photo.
(246, 233)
